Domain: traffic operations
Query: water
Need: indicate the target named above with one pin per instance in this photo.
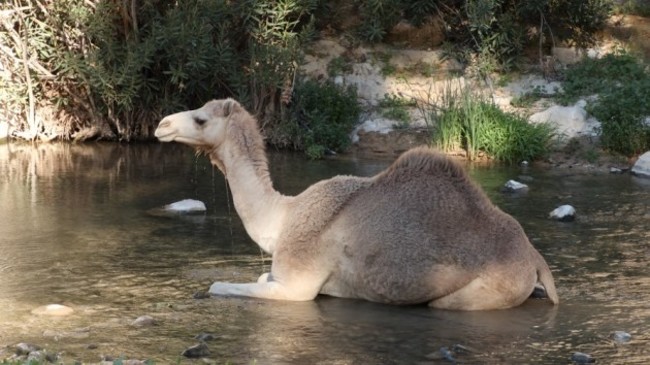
(74, 230)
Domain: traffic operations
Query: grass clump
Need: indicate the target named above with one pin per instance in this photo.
(622, 84)
(471, 122)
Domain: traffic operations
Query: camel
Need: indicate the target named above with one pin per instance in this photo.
(419, 232)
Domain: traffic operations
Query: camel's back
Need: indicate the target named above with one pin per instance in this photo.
(425, 205)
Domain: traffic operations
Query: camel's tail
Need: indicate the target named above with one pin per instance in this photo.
(545, 277)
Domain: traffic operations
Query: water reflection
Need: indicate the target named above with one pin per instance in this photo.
(74, 230)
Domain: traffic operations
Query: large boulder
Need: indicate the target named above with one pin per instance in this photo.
(642, 165)
(570, 121)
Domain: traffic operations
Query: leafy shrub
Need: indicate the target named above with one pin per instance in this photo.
(623, 104)
(470, 122)
(322, 117)
(593, 76)
(121, 69)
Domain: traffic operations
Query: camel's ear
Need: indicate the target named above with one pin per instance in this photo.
(230, 106)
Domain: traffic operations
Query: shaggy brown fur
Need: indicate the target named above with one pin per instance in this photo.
(419, 232)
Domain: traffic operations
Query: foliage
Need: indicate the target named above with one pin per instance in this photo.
(322, 117)
(623, 103)
(395, 108)
(633, 7)
(492, 33)
(117, 67)
(471, 122)
(338, 66)
(592, 76)
(527, 99)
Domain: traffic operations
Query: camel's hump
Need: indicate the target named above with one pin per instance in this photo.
(427, 161)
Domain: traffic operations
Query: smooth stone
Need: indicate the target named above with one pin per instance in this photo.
(186, 205)
(563, 213)
(205, 337)
(54, 310)
(24, 348)
(582, 358)
(196, 351)
(642, 165)
(143, 321)
(615, 170)
(621, 336)
(513, 186)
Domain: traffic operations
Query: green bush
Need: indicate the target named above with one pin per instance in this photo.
(322, 117)
(120, 69)
(623, 104)
(470, 122)
(594, 76)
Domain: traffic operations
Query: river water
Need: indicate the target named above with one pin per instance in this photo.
(75, 230)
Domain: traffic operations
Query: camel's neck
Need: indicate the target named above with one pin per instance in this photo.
(260, 206)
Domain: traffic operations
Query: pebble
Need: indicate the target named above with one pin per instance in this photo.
(205, 337)
(143, 321)
(54, 310)
(25, 348)
(563, 213)
(621, 336)
(197, 351)
(582, 358)
(513, 186)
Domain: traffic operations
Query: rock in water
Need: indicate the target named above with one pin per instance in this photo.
(621, 336)
(55, 310)
(143, 321)
(514, 186)
(582, 358)
(642, 165)
(563, 213)
(186, 205)
(196, 351)
(25, 348)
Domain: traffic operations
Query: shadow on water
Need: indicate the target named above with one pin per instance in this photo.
(74, 230)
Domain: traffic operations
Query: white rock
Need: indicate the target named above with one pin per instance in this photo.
(570, 121)
(642, 165)
(143, 321)
(4, 130)
(621, 336)
(564, 213)
(54, 310)
(186, 205)
(513, 185)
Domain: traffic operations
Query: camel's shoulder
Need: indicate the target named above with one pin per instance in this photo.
(315, 207)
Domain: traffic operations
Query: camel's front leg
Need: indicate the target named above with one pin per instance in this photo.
(296, 291)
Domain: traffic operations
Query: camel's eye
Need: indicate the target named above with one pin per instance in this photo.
(200, 121)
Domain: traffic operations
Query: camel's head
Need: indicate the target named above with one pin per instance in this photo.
(202, 128)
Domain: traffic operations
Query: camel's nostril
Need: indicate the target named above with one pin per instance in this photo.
(164, 123)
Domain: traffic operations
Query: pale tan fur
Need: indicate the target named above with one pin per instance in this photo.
(419, 232)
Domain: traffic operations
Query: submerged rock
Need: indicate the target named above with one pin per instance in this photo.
(621, 336)
(642, 165)
(205, 337)
(182, 207)
(514, 186)
(55, 310)
(24, 348)
(582, 358)
(143, 321)
(563, 213)
(186, 205)
(200, 350)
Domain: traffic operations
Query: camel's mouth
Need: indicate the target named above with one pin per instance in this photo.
(165, 137)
